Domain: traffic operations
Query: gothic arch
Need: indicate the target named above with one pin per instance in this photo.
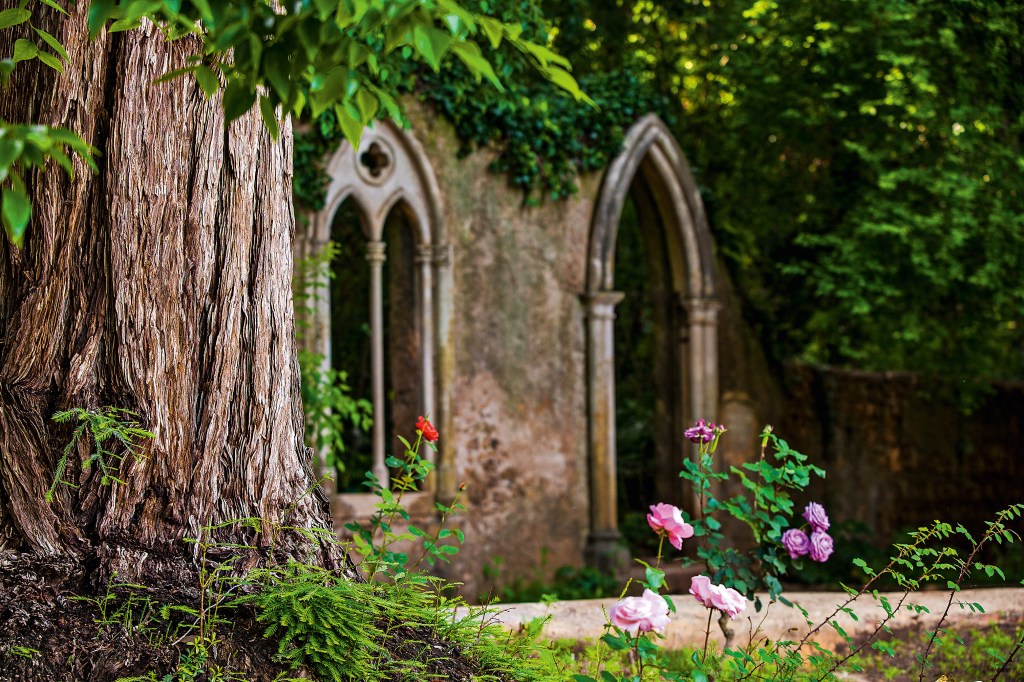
(650, 154)
(391, 172)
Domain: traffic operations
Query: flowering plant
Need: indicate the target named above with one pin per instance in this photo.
(375, 542)
(765, 508)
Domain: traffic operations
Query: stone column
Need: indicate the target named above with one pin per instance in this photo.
(375, 254)
(425, 301)
(702, 316)
(603, 550)
(703, 323)
(447, 474)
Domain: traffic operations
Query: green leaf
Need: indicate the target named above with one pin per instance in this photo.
(269, 117)
(350, 127)
(51, 61)
(6, 69)
(24, 49)
(13, 17)
(655, 577)
(99, 12)
(367, 104)
(238, 99)
(63, 161)
(207, 80)
(492, 29)
(326, 7)
(277, 70)
(10, 150)
(54, 5)
(432, 44)
(16, 212)
(53, 42)
(122, 25)
(470, 55)
(544, 56)
(614, 643)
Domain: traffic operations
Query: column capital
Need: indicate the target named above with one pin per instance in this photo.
(424, 254)
(702, 310)
(601, 304)
(375, 251)
(442, 254)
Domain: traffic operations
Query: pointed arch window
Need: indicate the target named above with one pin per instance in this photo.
(381, 322)
(648, 188)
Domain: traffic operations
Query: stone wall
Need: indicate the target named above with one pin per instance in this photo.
(898, 452)
(518, 397)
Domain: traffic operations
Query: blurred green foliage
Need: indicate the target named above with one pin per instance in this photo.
(861, 162)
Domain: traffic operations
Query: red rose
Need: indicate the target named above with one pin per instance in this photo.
(427, 429)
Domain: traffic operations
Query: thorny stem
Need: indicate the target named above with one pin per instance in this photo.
(1009, 659)
(639, 659)
(889, 615)
(993, 528)
(707, 636)
(661, 543)
(850, 600)
(396, 504)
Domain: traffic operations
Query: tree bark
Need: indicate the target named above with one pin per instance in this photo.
(161, 284)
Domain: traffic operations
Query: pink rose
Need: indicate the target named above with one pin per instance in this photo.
(700, 587)
(720, 597)
(821, 545)
(816, 516)
(640, 614)
(796, 543)
(728, 600)
(668, 519)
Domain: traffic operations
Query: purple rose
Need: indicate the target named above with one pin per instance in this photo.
(702, 432)
(821, 546)
(816, 516)
(796, 543)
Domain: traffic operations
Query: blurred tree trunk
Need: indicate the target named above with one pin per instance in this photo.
(162, 285)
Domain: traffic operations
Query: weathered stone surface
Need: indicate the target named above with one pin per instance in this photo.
(518, 393)
(899, 454)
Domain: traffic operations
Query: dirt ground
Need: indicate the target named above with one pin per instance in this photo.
(54, 627)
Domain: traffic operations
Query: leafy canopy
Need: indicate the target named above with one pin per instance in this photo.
(341, 55)
(861, 162)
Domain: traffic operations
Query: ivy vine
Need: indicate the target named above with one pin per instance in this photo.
(543, 139)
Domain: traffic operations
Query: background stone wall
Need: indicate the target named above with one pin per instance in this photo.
(899, 454)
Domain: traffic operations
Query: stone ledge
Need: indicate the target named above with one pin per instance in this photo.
(585, 619)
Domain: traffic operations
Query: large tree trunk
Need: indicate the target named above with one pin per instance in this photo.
(160, 284)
